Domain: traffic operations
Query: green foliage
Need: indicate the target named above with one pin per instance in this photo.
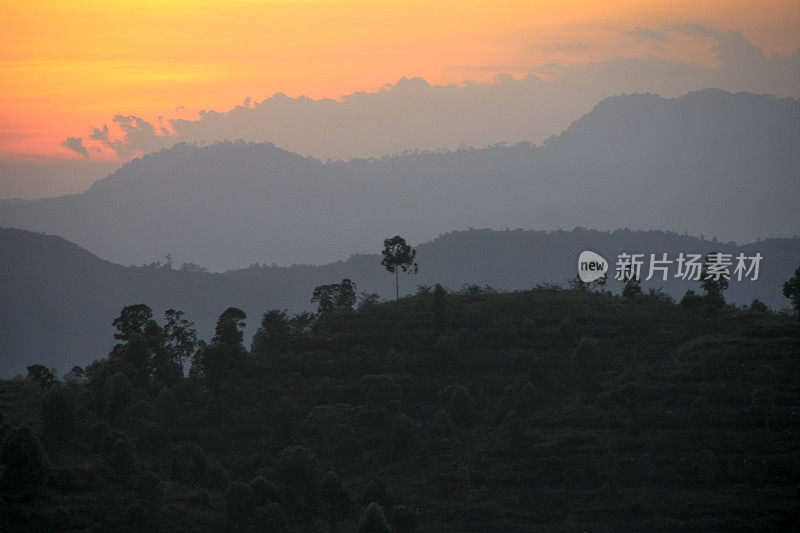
(120, 394)
(264, 490)
(26, 465)
(398, 255)
(42, 375)
(380, 390)
(240, 502)
(373, 520)
(216, 476)
(691, 301)
(149, 488)
(461, 408)
(439, 308)
(229, 328)
(270, 518)
(166, 406)
(791, 290)
(588, 367)
(132, 318)
(632, 288)
(58, 413)
(123, 461)
(714, 286)
(442, 424)
(337, 502)
(375, 491)
(645, 422)
(180, 337)
(214, 363)
(404, 519)
(334, 298)
(298, 474)
(404, 434)
(273, 334)
(516, 426)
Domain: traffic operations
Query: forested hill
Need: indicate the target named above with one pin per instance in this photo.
(56, 299)
(540, 410)
(708, 162)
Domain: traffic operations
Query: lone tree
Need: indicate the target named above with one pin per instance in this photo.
(791, 289)
(336, 297)
(714, 282)
(398, 255)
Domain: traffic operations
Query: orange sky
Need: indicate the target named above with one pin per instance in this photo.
(68, 65)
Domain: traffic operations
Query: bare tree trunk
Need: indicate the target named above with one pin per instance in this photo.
(396, 285)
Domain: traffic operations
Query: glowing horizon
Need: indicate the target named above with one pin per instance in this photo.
(73, 65)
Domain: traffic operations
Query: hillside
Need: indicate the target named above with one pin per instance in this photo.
(545, 409)
(708, 162)
(55, 298)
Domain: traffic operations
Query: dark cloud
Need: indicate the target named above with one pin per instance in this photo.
(98, 134)
(691, 28)
(76, 145)
(647, 34)
(414, 114)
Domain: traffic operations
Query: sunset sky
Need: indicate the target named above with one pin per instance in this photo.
(69, 66)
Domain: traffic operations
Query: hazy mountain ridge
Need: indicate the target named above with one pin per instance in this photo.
(709, 161)
(57, 300)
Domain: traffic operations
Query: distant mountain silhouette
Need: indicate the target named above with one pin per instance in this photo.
(714, 162)
(57, 300)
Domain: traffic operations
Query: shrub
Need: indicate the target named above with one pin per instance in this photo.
(461, 408)
(442, 424)
(122, 460)
(337, 503)
(270, 518)
(216, 476)
(298, 474)
(149, 488)
(240, 502)
(265, 491)
(375, 491)
(403, 519)
(58, 413)
(404, 433)
(373, 520)
(26, 464)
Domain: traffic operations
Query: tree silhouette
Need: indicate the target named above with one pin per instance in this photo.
(713, 285)
(229, 328)
(398, 255)
(26, 465)
(132, 318)
(180, 336)
(334, 297)
(791, 289)
(373, 520)
(337, 503)
(41, 375)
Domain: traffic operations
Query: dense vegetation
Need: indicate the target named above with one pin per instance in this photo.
(475, 410)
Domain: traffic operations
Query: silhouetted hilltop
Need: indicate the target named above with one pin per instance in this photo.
(55, 297)
(713, 162)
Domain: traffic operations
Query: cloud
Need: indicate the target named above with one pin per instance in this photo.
(76, 145)
(415, 114)
(647, 34)
(566, 48)
(697, 30)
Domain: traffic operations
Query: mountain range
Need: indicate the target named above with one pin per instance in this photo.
(57, 300)
(708, 162)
